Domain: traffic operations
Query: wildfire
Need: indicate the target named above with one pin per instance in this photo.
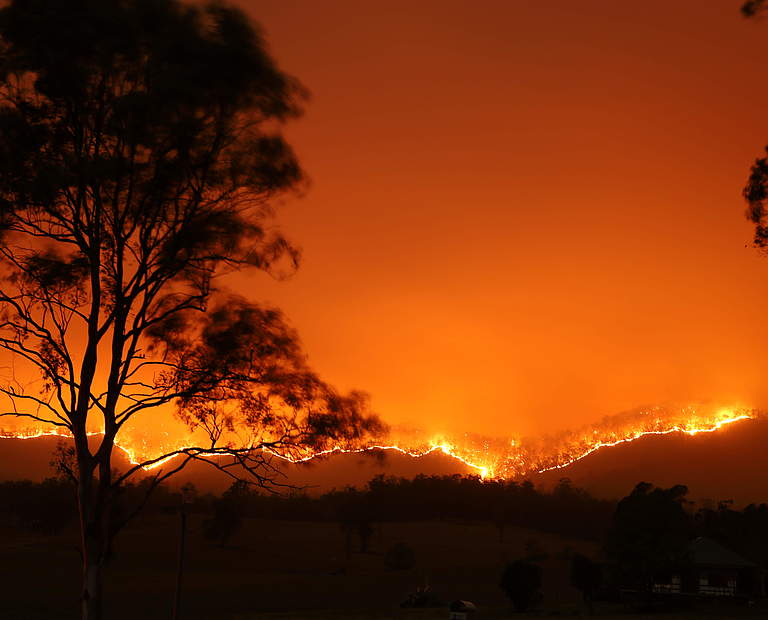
(493, 458)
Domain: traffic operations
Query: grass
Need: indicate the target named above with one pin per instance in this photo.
(285, 571)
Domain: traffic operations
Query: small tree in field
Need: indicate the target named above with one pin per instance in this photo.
(586, 576)
(139, 153)
(521, 582)
(227, 517)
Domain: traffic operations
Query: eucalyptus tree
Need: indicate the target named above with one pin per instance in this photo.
(756, 190)
(140, 155)
(752, 7)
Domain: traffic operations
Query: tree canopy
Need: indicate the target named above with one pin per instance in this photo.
(140, 156)
(140, 153)
(650, 533)
(752, 7)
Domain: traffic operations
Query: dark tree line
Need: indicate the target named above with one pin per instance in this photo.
(745, 531)
(648, 522)
(645, 535)
(565, 510)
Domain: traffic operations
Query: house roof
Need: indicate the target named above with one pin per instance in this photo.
(707, 552)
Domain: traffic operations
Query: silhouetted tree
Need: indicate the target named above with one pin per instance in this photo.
(745, 531)
(521, 581)
(752, 7)
(649, 534)
(756, 190)
(586, 576)
(139, 153)
(227, 514)
(44, 508)
(355, 516)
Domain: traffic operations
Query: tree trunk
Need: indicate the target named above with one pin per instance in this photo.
(92, 587)
(94, 531)
(93, 553)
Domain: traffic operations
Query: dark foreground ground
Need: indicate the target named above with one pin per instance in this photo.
(294, 571)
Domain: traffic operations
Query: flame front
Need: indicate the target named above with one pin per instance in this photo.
(492, 458)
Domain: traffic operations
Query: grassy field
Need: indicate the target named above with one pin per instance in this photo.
(287, 571)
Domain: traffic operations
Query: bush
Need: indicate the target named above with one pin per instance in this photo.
(521, 581)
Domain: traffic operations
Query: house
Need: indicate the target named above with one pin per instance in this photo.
(722, 572)
(714, 571)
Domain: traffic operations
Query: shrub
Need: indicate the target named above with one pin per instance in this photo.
(521, 581)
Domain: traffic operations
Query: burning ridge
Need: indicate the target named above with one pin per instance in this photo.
(497, 458)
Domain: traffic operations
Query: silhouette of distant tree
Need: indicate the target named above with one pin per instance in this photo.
(649, 534)
(227, 516)
(139, 156)
(355, 516)
(521, 581)
(745, 531)
(566, 510)
(44, 508)
(586, 576)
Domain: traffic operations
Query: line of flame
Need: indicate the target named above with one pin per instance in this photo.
(134, 460)
(675, 429)
(485, 471)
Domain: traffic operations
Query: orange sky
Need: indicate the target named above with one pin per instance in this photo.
(525, 215)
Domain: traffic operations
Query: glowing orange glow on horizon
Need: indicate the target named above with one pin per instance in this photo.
(514, 462)
(522, 216)
(525, 215)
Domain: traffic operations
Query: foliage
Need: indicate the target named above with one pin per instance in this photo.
(521, 581)
(756, 190)
(586, 576)
(650, 533)
(388, 499)
(43, 508)
(227, 514)
(751, 8)
(140, 153)
(355, 516)
(140, 157)
(503, 503)
(745, 531)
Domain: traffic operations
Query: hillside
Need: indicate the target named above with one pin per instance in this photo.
(31, 458)
(726, 464)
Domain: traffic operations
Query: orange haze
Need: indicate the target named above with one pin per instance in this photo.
(525, 215)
